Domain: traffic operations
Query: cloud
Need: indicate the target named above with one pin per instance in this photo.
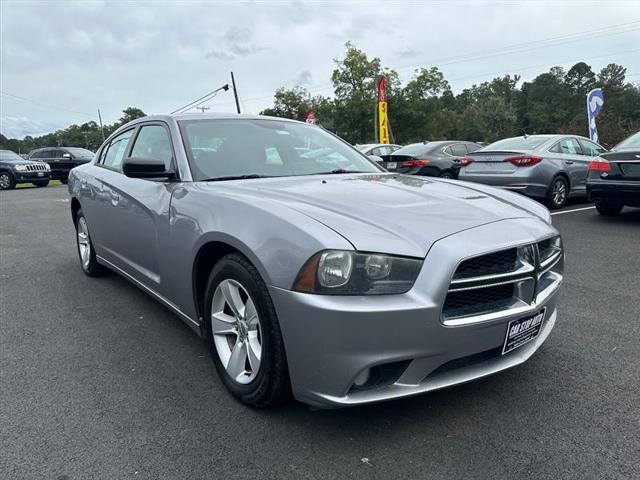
(237, 42)
(20, 127)
(304, 78)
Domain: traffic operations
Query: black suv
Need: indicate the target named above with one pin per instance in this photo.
(15, 169)
(61, 159)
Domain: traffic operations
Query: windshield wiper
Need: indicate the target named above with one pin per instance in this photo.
(338, 171)
(235, 177)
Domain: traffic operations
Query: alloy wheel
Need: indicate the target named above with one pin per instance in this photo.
(5, 181)
(84, 245)
(559, 192)
(235, 326)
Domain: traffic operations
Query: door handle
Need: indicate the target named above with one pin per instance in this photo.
(569, 162)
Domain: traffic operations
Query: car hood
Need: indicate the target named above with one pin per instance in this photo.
(389, 213)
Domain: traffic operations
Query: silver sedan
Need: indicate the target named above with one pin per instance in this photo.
(551, 168)
(307, 268)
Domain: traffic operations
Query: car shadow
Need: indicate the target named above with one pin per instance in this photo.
(628, 215)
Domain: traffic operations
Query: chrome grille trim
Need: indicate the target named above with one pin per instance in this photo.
(533, 283)
(36, 167)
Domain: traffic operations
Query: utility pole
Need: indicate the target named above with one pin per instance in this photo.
(101, 128)
(235, 92)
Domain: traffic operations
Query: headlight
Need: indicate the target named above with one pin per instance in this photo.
(47, 166)
(20, 168)
(338, 272)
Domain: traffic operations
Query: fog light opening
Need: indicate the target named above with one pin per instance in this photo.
(362, 379)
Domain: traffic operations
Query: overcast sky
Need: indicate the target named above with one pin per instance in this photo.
(65, 59)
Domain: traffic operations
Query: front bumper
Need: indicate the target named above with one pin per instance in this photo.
(331, 340)
(28, 177)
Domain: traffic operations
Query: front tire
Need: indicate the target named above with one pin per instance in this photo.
(86, 252)
(244, 334)
(44, 183)
(64, 181)
(558, 192)
(7, 182)
(608, 209)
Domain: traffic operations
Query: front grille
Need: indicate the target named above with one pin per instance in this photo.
(502, 280)
(36, 167)
(478, 301)
(498, 262)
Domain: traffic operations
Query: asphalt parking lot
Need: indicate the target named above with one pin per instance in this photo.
(100, 381)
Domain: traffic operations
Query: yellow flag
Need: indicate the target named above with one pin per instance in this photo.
(383, 120)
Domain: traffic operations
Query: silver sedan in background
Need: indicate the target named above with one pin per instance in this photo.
(548, 167)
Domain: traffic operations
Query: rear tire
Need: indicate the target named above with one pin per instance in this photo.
(44, 183)
(64, 181)
(86, 252)
(7, 182)
(256, 381)
(608, 209)
(558, 192)
(448, 175)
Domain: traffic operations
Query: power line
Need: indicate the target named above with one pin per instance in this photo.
(202, 99)
(40, 104)
(517, 47)
(505, 50)
(546, 65)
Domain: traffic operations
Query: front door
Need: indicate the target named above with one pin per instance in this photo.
(138, 209)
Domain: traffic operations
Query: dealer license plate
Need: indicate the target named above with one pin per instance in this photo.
(391, 165)
(522, 331)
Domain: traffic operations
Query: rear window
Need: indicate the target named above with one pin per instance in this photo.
(80, 152)
(413, 149)
(631, 143)
(518, 143)
(9, 155)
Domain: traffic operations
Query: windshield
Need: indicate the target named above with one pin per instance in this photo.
(519, 143)
(80, 152)
(631, 143)
(230, 148)
(413, 149)
(9, 155)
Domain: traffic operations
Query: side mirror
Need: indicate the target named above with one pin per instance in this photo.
(375, 158)
(66, 155)
(141, 167)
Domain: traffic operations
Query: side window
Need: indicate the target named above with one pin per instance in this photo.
(472, 147)
(448, 150)
(153, 142)
(458, 149)
(591, 149)
(381, 151)
(567, 145)
(115, 152)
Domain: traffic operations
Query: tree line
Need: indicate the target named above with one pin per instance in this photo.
(88, 135)
(425, 108)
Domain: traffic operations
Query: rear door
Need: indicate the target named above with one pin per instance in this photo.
(572, 161)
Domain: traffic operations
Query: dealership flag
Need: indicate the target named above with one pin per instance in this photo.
(595, 100)
(383, 121)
